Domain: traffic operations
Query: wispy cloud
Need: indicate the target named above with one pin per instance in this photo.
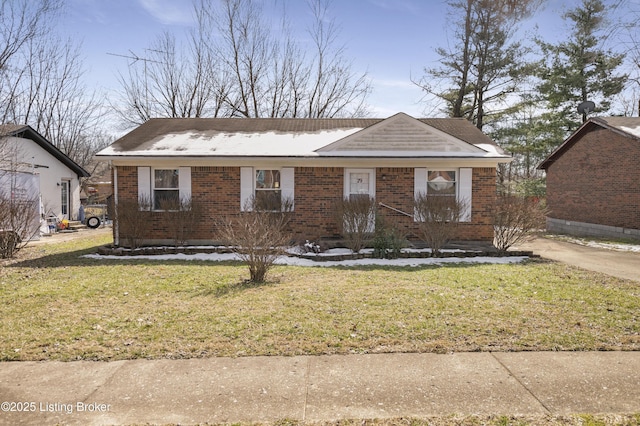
(168, 12)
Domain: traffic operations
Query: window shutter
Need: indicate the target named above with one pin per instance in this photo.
(464, 193)
(184, 184)
(420, 181)
(246, 188)
(419, 186)
(287, 182)
(144, 187)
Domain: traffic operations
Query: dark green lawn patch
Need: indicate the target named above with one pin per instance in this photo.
(57, 305)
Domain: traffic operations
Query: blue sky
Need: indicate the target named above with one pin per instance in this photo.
(392, 40)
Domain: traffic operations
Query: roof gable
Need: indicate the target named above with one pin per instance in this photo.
(27, 132)
(626, 126)
(399, 134)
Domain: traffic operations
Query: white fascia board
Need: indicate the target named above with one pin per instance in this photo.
(277, 162)
(412, 154)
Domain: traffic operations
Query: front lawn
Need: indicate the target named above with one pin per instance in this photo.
(56, 305)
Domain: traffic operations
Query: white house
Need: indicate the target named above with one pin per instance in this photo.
(24, 150)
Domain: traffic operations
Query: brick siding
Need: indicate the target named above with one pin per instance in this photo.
(597, 180)
(216, 191)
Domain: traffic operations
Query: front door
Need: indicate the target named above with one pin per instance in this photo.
(65, 200)
(361, 183)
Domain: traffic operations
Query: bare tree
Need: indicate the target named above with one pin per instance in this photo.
(335, 90)
(240, 64)
(173, 81)
(41, 80)
(20, 22)
(482, 66)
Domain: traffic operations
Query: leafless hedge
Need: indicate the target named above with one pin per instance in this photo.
(18, 224)
(437, 218)
(516, 219)
(356, 220)
(132, 225)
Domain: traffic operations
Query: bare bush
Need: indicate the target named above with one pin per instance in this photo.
(131, 224)
(356, 219)
(19, 205)
(183, 216)
(258, 237)
(516, 219)
(18, 223)
(437, 218)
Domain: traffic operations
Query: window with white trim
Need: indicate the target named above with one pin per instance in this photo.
(269, 189)
(268, 194)
(441, 183)
(447, 182)
(166, 189)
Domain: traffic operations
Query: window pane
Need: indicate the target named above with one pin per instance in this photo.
(359, 183)
(166, 178)
(166, 200)
(269, 200)
(442, 182)
(267, 179)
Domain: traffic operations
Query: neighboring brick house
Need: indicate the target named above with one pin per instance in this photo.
(593, 180)
(220, 163)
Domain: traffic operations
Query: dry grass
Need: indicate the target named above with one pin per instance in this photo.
(56, 305)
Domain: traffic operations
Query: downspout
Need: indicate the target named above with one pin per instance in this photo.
(116, 230)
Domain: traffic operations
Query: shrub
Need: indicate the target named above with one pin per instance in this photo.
(183, 216)
(516, 219)
(132, 225)
(258, 237)
(387, 240)
(18, 224)
(437, 218)
(356, 219)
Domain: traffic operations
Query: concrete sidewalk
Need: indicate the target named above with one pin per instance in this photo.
(319, 387)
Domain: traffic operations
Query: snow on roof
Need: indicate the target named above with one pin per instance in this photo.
(635, 131)
(247, 137)
(235, 144)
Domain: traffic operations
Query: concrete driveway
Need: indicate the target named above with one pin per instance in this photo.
(616, 263)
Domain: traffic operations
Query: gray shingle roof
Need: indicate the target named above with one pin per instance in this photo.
(457, 127)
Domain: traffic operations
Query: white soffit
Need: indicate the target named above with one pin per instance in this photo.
(401, 135)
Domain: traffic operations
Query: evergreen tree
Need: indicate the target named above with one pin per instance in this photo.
(578, 70)
(483, 68)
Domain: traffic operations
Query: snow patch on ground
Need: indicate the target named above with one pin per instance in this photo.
(298, 261)
(603, 245)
